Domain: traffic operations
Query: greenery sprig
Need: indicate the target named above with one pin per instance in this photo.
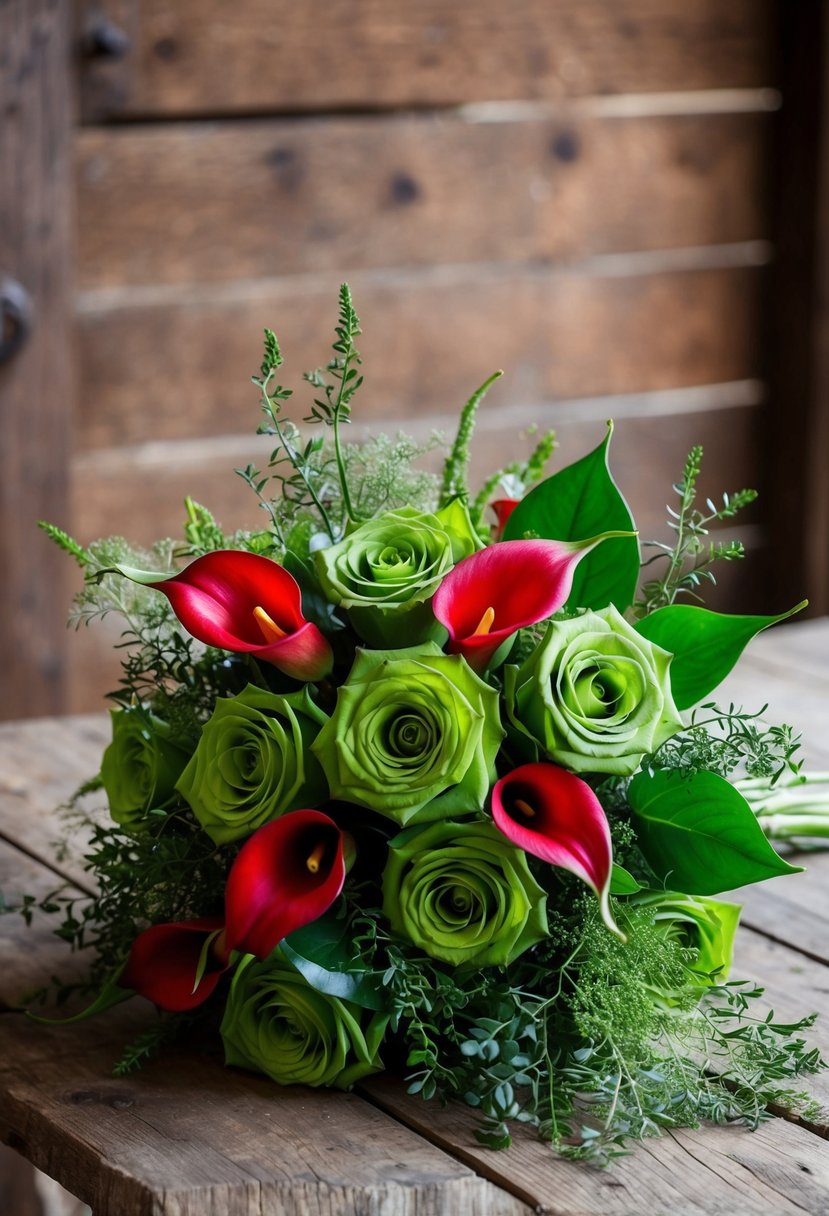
(689, 560)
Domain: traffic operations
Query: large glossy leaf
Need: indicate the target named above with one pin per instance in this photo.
(579, 501)
(320, 952)
(705, 645)
(699, 834)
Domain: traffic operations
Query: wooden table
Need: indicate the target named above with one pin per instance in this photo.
(185, 1137)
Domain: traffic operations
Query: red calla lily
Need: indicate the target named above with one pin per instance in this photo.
(503, 508)
(554, 815)
(491, 594)
(251, 605)
(286, 875)
(164, 961)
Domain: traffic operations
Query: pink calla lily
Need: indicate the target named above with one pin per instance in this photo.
(554, 815)
(164, 962)
(248, 604)
(491, 594)
(286, 875)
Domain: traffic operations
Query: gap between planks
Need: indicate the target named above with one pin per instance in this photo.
(628, 264)
(679, 104)
(659, 403)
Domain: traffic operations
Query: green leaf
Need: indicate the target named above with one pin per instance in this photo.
(622, 882)
(320, 952)
(111, 994)
(705, 645)
(579, 501)
(699, 834)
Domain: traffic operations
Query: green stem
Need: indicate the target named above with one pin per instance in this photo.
(350, 510)
(784, 826)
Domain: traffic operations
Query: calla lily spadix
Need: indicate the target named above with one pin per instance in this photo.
(286, 875)
(165, 962)
(247, 604)
(554, 815)
(491, 594)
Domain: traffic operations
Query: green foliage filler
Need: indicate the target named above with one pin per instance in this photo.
(462, 942)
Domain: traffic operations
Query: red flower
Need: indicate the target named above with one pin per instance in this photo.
(164, 962)
(496, 591)
(251, 605)
(555, 815)
(503, 508)
(286, 875)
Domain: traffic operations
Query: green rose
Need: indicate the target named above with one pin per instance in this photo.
(413, 736)
(462, 894)
(704, 926)
(140, 767)
(253, 762)
(386, 571)
(277, 1024)
(595, 695)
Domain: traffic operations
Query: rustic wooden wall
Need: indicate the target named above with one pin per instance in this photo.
(577, 191)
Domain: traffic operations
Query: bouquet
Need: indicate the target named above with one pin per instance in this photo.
(413, 778)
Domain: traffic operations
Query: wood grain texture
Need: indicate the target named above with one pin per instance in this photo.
(190, 58)
(793, 987)
(42, 763)
(779, 1170)
(187, 1137)
(430, 337)
(36, 384)
(788, 668)
(207, 202)
(241, 1144)
(30, 956)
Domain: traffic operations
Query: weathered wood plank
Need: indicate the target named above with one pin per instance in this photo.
(42, 762)
(430, 337)
(788, 667)
(36, 382)
(778, 1169)
(210, 202)
(794, 987)
(31, 955)
(85, 1128)
(792, 910)
(190, 59)
(241, 1144)
(240, 1141)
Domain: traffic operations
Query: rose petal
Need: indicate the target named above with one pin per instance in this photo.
(556, 816)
